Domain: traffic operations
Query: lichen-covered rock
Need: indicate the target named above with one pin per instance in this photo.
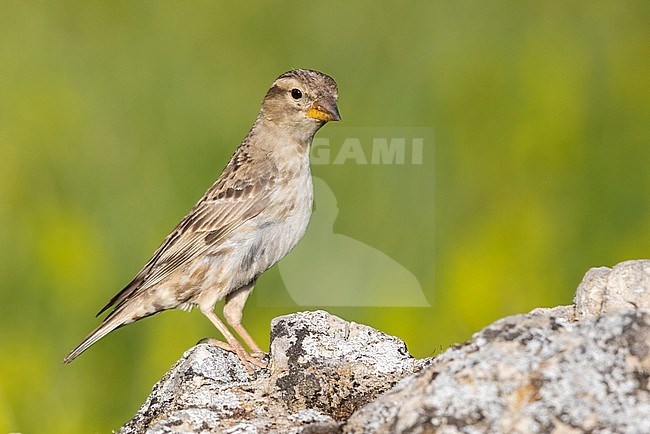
(527, 374)
(209, 390)
(322, 368)
(323, 362)
(603, 290)
(609, 290)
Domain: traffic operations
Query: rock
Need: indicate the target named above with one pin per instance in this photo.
(588, 299)
(562, 313)
(567, 369)
(322, 362)
(321, 370)
(527, 374)
(607, 290)
(198, 391)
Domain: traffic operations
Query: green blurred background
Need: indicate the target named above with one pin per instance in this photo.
(116, 116)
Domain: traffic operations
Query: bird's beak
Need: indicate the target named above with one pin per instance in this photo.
(324, 109)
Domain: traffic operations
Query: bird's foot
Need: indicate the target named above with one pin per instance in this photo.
(260, 355)
(246, 358)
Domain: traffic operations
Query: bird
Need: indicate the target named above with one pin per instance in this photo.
(250, 218)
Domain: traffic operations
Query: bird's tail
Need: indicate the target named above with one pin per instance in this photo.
(115, 320)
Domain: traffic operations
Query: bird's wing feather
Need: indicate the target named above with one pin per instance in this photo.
(225, 206)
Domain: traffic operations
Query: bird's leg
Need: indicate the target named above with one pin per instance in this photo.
(233, 345)
(232, 311)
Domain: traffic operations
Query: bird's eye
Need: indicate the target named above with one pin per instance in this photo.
(296, 93)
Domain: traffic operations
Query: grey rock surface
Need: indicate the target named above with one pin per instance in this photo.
(569, 369)
(608, 290)
(605, 290)
(321, 370)
(527, 374)
(325, 363)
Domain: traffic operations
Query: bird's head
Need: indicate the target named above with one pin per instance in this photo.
(302, 99)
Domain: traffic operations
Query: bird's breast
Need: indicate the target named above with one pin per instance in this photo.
(284, 222)
(265, 239)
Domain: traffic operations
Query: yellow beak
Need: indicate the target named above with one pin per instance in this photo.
(324, 110)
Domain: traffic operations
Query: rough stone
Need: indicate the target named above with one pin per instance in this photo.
(527, 374)
(321, 370)
(608, 290)
(323, 362)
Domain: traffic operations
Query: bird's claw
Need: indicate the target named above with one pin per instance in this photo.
(246, 358)
(260, 355)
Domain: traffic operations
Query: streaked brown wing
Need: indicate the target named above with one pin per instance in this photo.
(221, 210)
